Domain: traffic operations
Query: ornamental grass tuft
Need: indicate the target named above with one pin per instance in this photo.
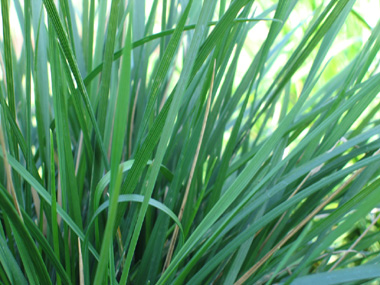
(189, 142)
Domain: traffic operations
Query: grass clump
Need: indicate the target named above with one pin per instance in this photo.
(172, 142)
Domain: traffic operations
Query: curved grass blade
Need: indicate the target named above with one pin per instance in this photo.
(125, 166)
(138, 199)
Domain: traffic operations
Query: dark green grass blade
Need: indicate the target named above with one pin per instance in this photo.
(28, 116)
(106, 70)
(109, 232)
(66, 163)
(46, 197)
(33, 263)
(54, 222)
(8, 58)
(41, 88)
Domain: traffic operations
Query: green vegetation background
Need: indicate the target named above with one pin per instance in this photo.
(189, 142)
